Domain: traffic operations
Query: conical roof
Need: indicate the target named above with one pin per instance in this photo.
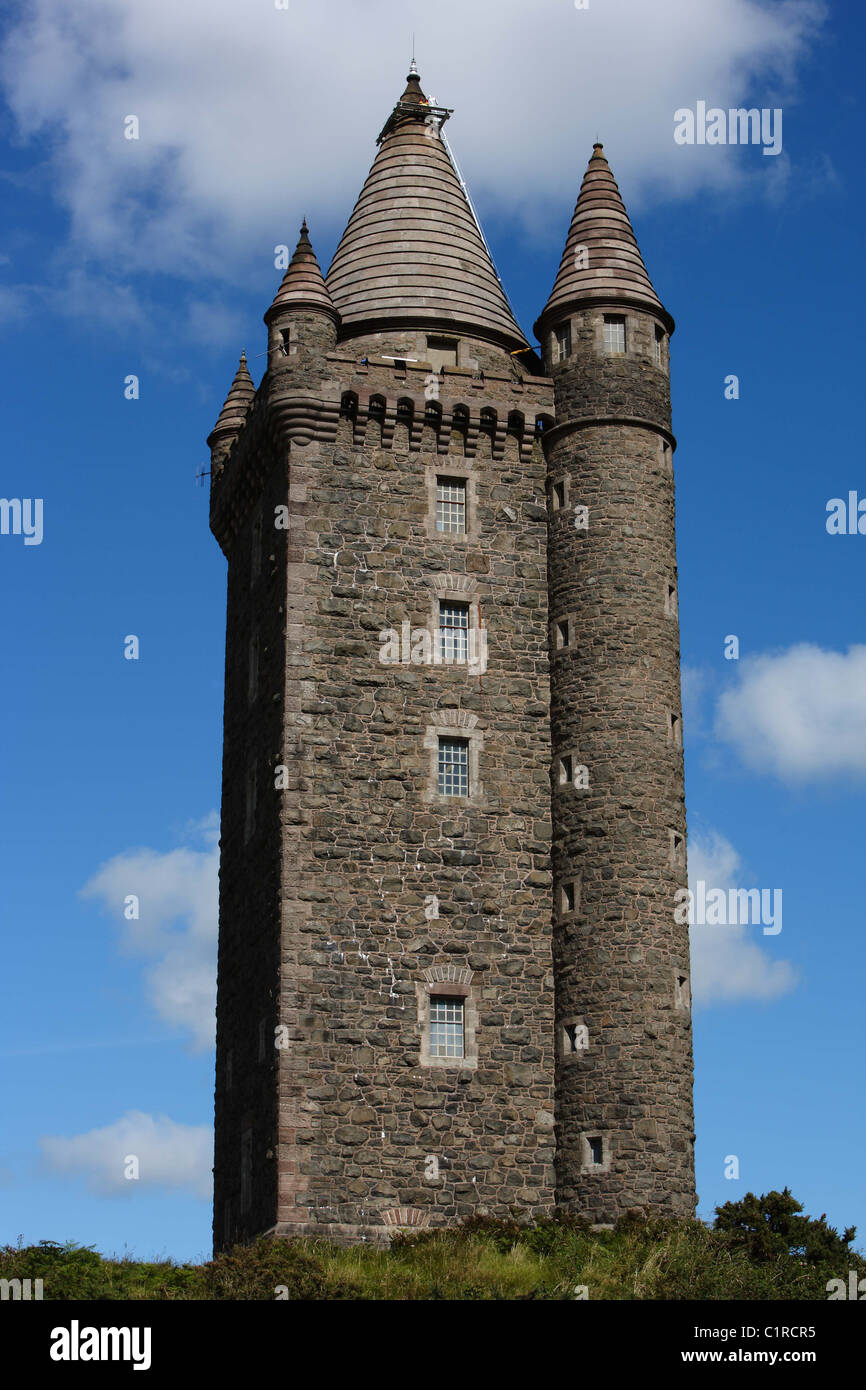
(303, 285)
(413, 254)
(237, 402)
(601, 260)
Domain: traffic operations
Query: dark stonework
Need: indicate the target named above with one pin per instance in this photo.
(352, 894)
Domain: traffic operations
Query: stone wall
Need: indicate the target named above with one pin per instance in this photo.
(362, 893)
(624, 1064)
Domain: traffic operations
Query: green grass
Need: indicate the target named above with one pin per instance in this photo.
(483, 1259)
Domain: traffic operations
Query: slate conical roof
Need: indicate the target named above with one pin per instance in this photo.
(237, 402)
(303, 285)
(412, 254)
(611, 268)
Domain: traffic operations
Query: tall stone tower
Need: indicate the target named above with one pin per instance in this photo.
(624, 1056)
(405, 1034)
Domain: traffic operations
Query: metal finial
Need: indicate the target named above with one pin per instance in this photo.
(413, 66)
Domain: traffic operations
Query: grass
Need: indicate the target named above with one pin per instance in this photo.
(481, 1260)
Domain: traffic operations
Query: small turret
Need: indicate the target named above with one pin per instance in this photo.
(232, 417)
(303, 312)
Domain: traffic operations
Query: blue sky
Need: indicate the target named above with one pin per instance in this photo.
(156, 259)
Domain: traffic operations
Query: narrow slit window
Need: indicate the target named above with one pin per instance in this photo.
(614, 333)
(576, 1037)
(596, 1150)
(453, 767)
(671, 600)
(658, 347)
(454, 632)
(678, 850)
(675, 729)
(451, 506)
(563, 634)
(568, 898)
(557, 495)
(446, 1027)
(566, 771)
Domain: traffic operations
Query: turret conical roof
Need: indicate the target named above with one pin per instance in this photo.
(413, 254)
(303, 285)
(237, 402)
(601, 260)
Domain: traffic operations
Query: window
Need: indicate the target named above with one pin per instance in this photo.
(569, 898)
(453, 631)
(575, 1038)
(670, 600)
(678, 850)
(596, 1149)
(558, 494)
(562, 634)
(446, 1027)
(451, 505)
(675, 729)
(681, 992)
(566, 771)
(614, 333)
(442, 352)
(562, 343)
(453, 767)
(658, 348)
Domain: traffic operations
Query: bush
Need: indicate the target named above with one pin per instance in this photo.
(759, 1248)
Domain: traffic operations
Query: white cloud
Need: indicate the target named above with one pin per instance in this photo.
(169, 1155)
(251, 116)
(800, 713)
(178, 895)
(727, 963)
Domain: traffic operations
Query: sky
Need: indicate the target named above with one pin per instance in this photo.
(154, 258)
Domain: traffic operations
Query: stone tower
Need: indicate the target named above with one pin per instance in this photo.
(397, 1011)
(624, 1054)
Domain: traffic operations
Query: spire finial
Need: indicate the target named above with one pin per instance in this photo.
(413, 66)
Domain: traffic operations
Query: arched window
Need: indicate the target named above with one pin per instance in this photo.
(348, 405)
